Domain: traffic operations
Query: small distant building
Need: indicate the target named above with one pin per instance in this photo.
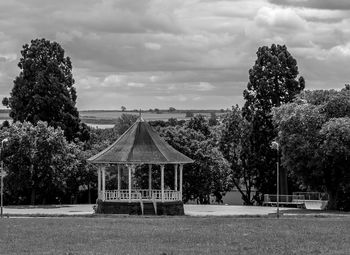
(140, 145)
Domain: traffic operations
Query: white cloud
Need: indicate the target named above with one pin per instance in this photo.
(205, 86)
(341, 50)
(113, 80)
(154, 78)
(152, 46)
(8, 57)
(136, 84)
(286, 18)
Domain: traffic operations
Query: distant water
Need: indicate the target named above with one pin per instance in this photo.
(102, 126)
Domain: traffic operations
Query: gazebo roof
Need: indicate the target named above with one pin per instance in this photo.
(138, 145)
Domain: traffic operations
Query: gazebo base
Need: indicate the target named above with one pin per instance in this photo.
(135, 208)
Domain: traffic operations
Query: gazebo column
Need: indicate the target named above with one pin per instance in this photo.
(103, 183)
(175, 186)
(150, 180)
(162, 181)
(129, 182)
(119, 181)
(181, 168)
(99, 182)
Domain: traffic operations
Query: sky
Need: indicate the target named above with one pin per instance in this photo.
(187, 54)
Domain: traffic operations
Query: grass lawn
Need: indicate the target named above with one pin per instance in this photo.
(174, 235)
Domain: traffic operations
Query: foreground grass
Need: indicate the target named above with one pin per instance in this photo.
(174, 235)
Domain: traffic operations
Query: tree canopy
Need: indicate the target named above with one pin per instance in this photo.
(314, 135)
(273, 80)
(210, 172)
(41, 166)
(44, 90)
(236, 148)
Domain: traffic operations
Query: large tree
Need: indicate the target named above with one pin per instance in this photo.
(314, 133)
(210, 172)
(42, 166)
(273, 80)
(236, 148)
(44, 89)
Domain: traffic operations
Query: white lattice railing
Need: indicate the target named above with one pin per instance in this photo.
(157, 194)
(172, 195)
(111, 195)
(137, 194)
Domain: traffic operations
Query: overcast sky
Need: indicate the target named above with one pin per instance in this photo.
(181, 53)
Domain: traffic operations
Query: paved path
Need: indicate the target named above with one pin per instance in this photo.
(192, 210)
(226, 210)
(84, 209)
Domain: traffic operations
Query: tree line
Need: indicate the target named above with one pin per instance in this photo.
(47, 144)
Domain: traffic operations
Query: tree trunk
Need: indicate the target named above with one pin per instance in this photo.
(332, 202)
(89, 194)
(245, 196)
(32, 197)
(283, 181)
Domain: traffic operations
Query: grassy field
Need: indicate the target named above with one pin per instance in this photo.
(110, 117)
(174, 235)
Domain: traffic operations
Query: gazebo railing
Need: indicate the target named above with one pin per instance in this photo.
(111, 195)
(137, 194)
(169, 195)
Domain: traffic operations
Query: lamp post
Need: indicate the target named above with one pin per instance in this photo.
(2, 176)
(276, 145)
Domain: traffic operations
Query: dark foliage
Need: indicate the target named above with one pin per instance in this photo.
(272, 82)
(44, 90)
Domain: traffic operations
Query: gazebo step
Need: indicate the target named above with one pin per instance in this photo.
(134, 208)
(148, 209)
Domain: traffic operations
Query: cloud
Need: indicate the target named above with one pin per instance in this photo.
(316, 4)
(8, 57)
(287, 18)
(153, 46)
(136, 84)
(205, 86)
(341, 50)
(187, 53)
(112, 81)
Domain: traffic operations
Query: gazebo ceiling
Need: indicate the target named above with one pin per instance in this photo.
(140, 144)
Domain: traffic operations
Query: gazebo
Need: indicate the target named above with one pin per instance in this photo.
(140, 145)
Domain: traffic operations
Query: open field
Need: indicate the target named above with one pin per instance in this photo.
(96, 117)
(110, 117)
(174, 235)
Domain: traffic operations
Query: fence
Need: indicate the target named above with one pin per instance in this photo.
(298, 198)
(313, 195)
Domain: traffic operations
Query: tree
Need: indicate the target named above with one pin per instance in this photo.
(44, 90)
(189, 114)
(41, 165)
(209, 174)
(200, 124)
(314, 135)
(272, 82)
(236, 148)
(123, 108)
(124, 122)
(213, 121)
(336, 159)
